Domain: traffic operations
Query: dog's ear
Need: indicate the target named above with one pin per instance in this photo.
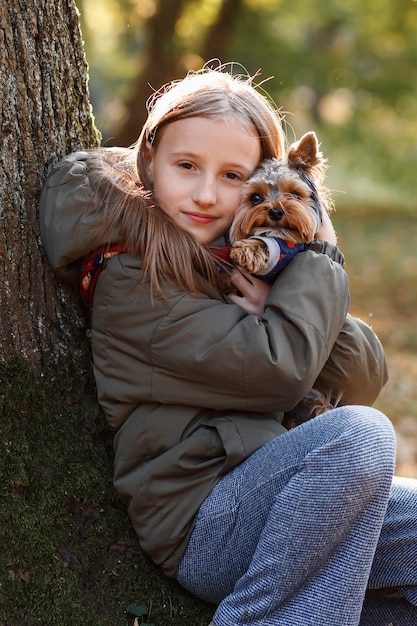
(305, 155)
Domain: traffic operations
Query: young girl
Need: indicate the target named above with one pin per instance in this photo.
(276, 527)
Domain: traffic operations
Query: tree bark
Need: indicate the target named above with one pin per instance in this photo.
(164, 59)
(217, 41)
(62, 533)
(161, 63)
(45, 113)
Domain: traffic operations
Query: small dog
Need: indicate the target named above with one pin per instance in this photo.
(283, 199)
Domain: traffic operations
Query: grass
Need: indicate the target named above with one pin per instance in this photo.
(69, 556)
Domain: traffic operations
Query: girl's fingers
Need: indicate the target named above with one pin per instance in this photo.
(253, 292)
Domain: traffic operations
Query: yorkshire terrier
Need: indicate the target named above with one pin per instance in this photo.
(280, 212)
(282, 200)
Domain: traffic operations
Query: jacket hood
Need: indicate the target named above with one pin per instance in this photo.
(68, 226)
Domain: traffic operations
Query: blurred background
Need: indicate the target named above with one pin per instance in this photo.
(347, 70)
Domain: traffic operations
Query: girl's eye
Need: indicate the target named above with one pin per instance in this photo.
(185, 165)
(233, 176)
(256, 198)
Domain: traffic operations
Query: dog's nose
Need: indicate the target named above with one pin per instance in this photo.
(276, 214)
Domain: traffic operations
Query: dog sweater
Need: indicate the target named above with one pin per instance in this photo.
(281, 252)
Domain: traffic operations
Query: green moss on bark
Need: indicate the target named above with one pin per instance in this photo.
(69, 555)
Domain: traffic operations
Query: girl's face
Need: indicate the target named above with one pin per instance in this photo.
(197, 170)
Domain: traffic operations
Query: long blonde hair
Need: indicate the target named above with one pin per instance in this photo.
(121, 178)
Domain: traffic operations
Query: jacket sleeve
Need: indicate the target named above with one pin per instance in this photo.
(211, 354)
(356, 366)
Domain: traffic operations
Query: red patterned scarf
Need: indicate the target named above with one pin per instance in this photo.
(91, 267)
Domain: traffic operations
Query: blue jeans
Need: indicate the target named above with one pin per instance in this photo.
(288, 537)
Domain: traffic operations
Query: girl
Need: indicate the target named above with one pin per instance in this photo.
(276, 527)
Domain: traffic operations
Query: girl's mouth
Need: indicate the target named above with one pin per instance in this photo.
(199, 218)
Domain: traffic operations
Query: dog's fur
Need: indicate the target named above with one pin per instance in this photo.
(284, 199)
(313, 404)
(281, 199)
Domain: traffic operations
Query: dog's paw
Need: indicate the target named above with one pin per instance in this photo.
(250, 255)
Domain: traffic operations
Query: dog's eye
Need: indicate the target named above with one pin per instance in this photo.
(256, 198)
(295, 195)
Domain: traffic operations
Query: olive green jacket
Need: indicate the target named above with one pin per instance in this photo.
(193, 385)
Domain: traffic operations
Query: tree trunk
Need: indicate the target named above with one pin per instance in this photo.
(162, 63)
(164, 59)
(69, 554)
(217, 41)
(45, 114)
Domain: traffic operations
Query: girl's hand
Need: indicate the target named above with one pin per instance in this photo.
(327, 231)
(254, 292)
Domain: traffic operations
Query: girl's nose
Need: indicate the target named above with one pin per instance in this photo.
(205, 193)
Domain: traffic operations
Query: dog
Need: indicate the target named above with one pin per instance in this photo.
(281, 211)
(283, 199)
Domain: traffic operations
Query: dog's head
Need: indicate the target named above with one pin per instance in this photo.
(281, 198)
